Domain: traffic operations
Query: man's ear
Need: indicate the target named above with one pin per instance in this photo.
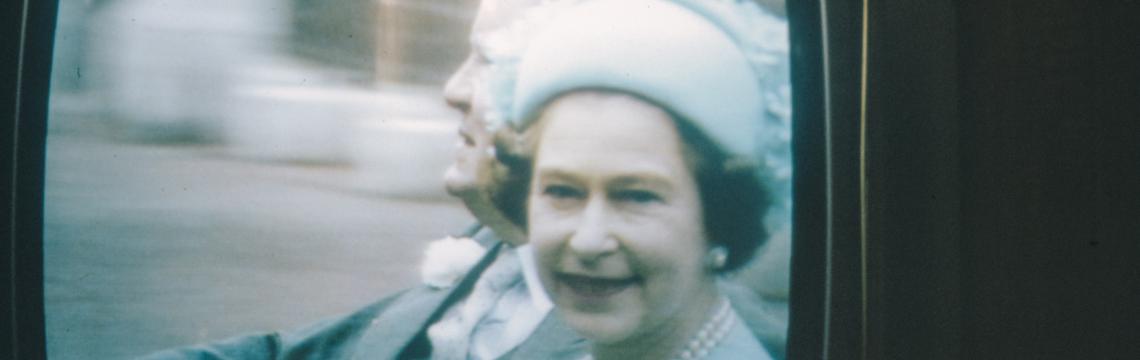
(515, 148)
(514, 153)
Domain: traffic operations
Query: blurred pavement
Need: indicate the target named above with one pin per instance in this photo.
(152, 246)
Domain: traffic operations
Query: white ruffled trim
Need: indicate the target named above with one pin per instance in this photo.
(447, 260)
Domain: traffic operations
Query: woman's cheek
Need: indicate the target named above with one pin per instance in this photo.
(547, 247)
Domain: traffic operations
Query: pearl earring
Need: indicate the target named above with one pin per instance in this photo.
(717, 257)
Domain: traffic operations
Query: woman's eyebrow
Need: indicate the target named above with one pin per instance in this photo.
(647, 179)
(555, 174)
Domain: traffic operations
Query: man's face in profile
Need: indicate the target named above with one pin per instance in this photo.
(466, 91)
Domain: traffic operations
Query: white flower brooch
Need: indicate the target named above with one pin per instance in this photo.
(447, 260)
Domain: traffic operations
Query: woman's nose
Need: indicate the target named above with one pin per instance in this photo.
(593, 238)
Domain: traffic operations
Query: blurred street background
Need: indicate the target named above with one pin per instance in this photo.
(220, 167)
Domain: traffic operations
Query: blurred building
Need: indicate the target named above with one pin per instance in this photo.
(298, 81)
(422, 41)
(338, 34)
(400, 41)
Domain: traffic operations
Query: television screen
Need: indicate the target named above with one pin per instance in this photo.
(220, 168)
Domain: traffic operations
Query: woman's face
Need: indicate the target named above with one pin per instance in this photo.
(614, 215)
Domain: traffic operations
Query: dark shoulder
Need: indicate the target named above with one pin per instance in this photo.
(327, 339)
(336, 337)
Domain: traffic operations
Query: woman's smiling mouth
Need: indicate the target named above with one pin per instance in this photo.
(595, 289)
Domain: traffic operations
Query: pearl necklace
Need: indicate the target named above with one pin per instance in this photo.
(711, 334)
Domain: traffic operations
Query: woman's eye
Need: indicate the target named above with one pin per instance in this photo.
(636, 196)
(561, 192)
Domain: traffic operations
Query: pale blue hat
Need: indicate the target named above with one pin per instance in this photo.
(670, 52)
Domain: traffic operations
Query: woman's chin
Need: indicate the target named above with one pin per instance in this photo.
(600, 328)
(605, 317)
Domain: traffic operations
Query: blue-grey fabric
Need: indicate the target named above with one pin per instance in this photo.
(738, 344)
(388, 327)
(764, 317)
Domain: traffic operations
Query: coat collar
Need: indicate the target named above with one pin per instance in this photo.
(396, 327)
(553, 339)
(393, 329)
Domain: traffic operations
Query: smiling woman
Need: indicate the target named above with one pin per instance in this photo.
(644, 181)
(617, 227)
(617, 217)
